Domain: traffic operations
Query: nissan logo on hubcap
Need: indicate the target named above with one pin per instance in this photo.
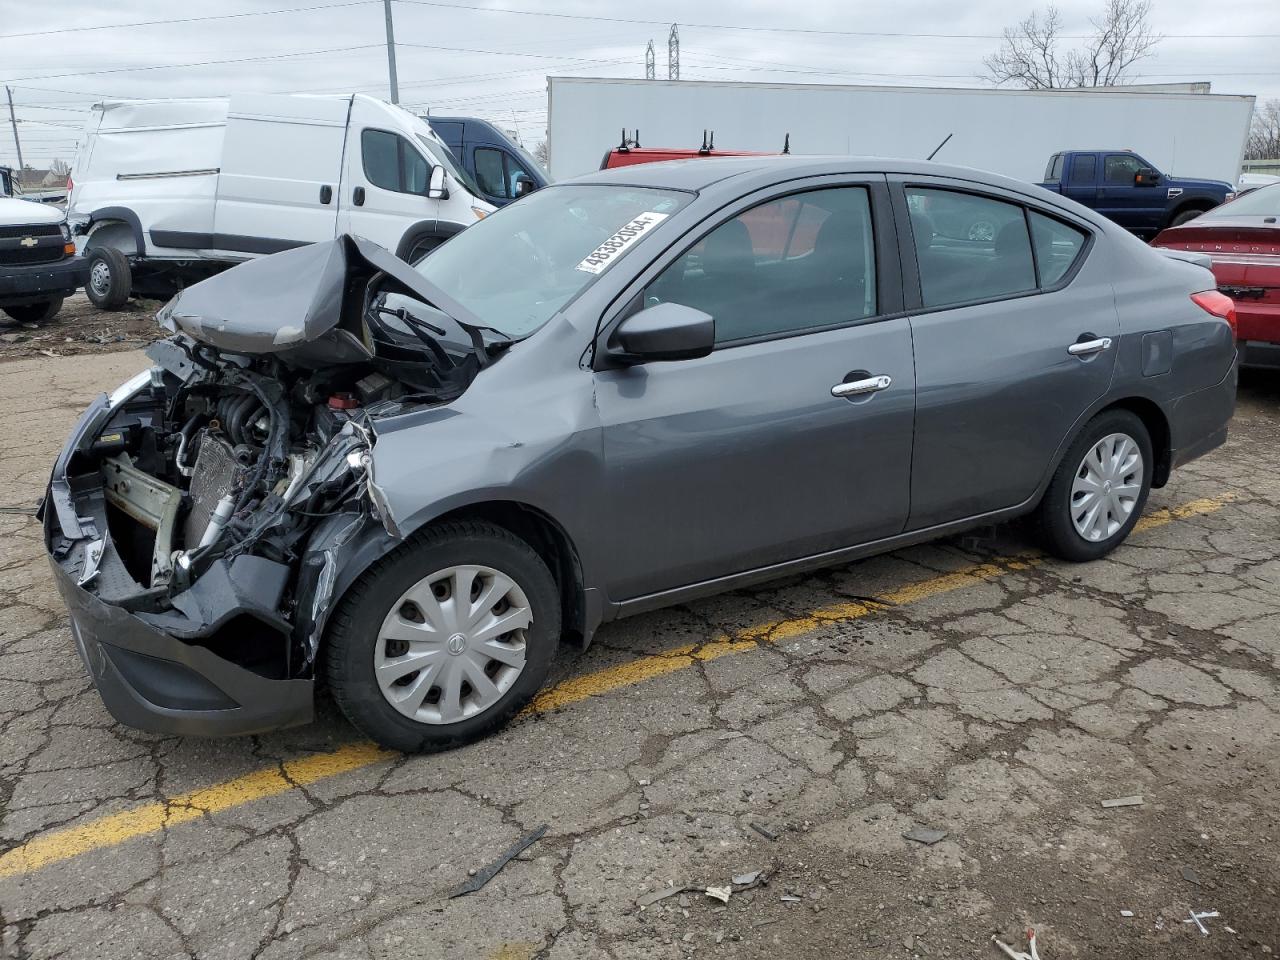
(456, 644)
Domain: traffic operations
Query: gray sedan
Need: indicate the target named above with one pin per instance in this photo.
(622, 392)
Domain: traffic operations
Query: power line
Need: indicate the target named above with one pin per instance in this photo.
(218, 16)
(202, 63)
(800, 30)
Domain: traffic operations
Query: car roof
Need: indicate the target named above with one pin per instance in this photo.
(698, 173)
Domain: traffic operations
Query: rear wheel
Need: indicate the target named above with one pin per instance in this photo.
(445, 639)
(1099, 489)
(35, 312)
(1182, 216)
(110, 278)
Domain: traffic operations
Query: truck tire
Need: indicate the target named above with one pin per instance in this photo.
(1182, 216)
(110, 278)
(35, 312)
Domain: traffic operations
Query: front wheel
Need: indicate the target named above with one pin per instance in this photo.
(35, 312)
(1184, 216)
(110, 278)
(1099, 488)
(445, 639)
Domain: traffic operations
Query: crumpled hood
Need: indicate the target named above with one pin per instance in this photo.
(303, 303)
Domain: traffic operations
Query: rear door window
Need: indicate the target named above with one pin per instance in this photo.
(1084, 169)
(969, 247)
(1058, 246)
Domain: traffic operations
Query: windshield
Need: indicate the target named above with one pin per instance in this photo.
(1263, 202)
(517, 267)
(442, 155)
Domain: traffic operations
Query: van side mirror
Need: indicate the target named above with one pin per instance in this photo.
(525, 186)
(668, 331)
(1147, 177)
(436, 189)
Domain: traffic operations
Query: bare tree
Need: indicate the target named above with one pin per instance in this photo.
(1264, 134)
(59, 168)
(540, 153)
(1032, 54)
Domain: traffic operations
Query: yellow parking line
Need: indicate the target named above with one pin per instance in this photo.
(68, 842)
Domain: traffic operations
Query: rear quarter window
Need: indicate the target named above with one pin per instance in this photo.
(1053, 172)
(1057, 246)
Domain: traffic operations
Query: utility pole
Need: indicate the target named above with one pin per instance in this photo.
(13, 122)
(391, 53)
(650, 62)
(673, 54)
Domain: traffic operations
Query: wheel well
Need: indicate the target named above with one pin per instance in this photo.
(113, 233)
(1157, 425)
(550, 542)
(1201, 204)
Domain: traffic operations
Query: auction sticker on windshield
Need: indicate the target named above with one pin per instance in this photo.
(609, 251)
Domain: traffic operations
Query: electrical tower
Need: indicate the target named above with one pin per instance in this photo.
(650, 63)
(673, 54)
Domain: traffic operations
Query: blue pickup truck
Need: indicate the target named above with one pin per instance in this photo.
(501, 168)
(1124, 187)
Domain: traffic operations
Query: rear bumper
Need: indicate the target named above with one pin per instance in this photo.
(38, 282)
(1198, 421)
(1260, 353)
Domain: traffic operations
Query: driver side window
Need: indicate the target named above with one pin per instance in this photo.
(1121, 168)
(805, 261)
(392, 163)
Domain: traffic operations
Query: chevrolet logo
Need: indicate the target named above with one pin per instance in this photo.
(28, 242)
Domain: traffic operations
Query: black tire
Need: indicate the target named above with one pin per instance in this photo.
(353, 633)
(108, 290)
(1183, 216)
(35, 312)
(1055, 512)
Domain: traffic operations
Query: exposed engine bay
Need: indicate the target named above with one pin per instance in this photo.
(208, 496)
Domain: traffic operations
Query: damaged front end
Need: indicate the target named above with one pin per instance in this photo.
(201, 519)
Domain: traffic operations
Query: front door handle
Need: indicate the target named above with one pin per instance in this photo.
(357, 196)
(1087, 348)
(856, 388)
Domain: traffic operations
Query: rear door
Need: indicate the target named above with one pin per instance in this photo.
(281, 165)
(1015, 338)
(745, 458)
(1080, 180)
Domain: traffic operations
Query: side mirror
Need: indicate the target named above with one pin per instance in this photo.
(436, 189)
(668, 331)
(1146, 177)
(524, 186)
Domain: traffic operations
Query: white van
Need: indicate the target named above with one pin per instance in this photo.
(168, 192)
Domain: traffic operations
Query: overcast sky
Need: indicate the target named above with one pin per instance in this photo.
(499, 60)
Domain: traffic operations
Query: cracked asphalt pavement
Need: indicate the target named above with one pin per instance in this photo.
(972, 686)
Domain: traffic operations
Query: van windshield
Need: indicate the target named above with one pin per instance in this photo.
(516, 268)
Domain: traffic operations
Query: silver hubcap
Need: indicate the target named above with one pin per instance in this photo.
(1108, 482)
(100, 278)
(453, 644)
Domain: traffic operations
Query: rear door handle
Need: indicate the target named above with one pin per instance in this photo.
(1087, 348)
(326, 193)
(856, 388)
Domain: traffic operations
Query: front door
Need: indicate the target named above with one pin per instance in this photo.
(385, 182)
(1014, 340)
(1132, 206)
(745, 458)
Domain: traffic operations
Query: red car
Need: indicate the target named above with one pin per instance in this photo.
(1242, 238)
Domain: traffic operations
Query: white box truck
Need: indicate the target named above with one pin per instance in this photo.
(167, 192)
(1013, 132)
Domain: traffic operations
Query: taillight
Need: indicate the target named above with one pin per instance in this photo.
(1219, 304)
(70, 184)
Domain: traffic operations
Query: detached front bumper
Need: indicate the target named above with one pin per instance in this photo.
(44, 281)
(154, 681)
